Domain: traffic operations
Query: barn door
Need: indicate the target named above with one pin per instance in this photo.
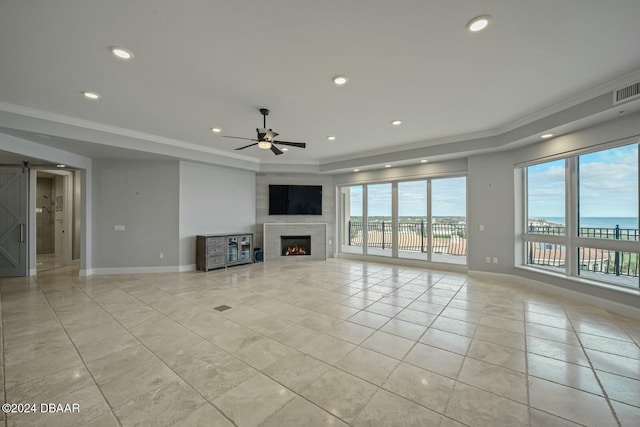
(13, 222)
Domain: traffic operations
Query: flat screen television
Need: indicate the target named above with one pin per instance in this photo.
(295, 199)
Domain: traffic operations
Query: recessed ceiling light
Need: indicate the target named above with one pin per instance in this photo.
(546, 136)
(356, 170)
(331, 138)
(340, 80)
(478, 23)
(396, 122)
(424, 161)
(91, 95)
(216, 130)
(121, 53)
(387, 166)
(284, 149)
(61, 166)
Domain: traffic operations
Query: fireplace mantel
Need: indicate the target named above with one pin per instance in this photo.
(273, 231)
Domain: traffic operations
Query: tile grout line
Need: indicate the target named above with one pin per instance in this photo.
(258, 371)
(526, 360)
(456, 381)
(357, 345)
(44, 295)
(331, 367)
(593, 369)
(151, 351)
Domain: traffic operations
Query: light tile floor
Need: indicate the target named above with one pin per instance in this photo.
(312, 344)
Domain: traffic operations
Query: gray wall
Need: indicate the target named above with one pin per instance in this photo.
(213, 200)
(328, 203)
(142, 196)
(491, 204)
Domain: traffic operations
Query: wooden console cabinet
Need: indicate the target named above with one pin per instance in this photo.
(215, 251)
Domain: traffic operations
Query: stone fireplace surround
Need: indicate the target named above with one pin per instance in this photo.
(273, 232)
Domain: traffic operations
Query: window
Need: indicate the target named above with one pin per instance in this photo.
(592, 232)
(546, 198)
(608, 196)
(393, 219)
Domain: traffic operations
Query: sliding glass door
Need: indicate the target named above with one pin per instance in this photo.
(419, 219)
(352, 229)
(449, 220)
(379, 224)
(413, 223)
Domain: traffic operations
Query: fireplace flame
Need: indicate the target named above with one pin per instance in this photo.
(295, 250)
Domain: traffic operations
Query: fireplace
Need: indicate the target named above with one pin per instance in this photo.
(295, 245)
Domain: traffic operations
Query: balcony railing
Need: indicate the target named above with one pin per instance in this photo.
(448, 239)
(591, 232)
(590, 260)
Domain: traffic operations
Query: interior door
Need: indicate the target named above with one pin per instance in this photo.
(13, 222)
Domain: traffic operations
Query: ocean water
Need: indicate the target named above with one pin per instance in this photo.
(600, 222)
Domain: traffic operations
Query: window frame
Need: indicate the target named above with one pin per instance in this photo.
(395, 200)
(571, 239)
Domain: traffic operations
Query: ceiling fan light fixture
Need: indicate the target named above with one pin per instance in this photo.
(265, 145)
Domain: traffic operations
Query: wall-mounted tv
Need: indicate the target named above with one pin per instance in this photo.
(295, 199)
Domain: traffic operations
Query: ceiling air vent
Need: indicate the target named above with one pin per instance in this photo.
(626, 93)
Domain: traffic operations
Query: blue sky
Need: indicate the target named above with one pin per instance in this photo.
(608, 185)
(448, 198)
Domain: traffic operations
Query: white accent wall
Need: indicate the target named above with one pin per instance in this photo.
(213, 200)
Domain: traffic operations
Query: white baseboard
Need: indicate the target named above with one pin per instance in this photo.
(33, 271)
(188, 267)
(616, 307)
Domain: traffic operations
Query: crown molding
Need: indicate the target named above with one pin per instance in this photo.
(497, 132)
(114, 130)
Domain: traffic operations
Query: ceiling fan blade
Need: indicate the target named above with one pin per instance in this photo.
(275, 150)
(292, 144)
(247, 146)
(238, 137)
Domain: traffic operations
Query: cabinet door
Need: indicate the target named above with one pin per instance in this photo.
(245, 248)
(232, 249)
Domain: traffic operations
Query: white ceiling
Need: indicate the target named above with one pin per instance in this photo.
(200, 64)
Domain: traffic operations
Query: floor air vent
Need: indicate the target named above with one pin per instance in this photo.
(626, 93)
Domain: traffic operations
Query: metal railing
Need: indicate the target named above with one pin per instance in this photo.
(412, 236)
(591, 260)
(608, 262)
(616, 233)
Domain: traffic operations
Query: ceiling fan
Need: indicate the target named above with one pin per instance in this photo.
(266, 138)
